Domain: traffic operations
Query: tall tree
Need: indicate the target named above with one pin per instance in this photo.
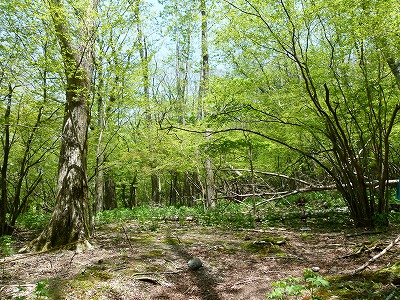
(98, 204)
(143, 51)
(6, 154)
(205, 66)
(24, 84)
(349, 112)
(69, 225)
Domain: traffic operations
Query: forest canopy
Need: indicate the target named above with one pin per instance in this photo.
(182, 103)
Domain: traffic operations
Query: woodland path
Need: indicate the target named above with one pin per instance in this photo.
(129, 261)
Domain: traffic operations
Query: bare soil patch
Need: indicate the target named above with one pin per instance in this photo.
(129, 263)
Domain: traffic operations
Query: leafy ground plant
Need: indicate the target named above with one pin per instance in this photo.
(42, 290)
(294, 288)
(5, 246)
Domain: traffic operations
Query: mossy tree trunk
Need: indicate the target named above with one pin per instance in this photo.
(69, 225)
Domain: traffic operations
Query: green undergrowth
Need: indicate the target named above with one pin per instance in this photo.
(325, 210)
(377, 285)
(33, 220)
(6, 246)
(295, 288)
(151, 217)
(382, 284)
(320, 210)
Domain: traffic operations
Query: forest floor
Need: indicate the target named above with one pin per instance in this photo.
(129, 261)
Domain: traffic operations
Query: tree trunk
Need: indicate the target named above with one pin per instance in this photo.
(155, 189)
(205, 69)
(204, 78)
(174, 188)
(98, 204)
(210, 189)
(143, 54)
(132, 192)
(110, 198)
(4, 228)
(69, 226)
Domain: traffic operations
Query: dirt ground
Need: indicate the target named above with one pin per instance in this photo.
(128, 262)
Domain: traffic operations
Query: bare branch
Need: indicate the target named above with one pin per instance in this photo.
(374, 258)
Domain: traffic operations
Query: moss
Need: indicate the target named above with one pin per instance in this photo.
(368, 285)
(264, 246)
(94, 274)
(174, 241)
(142, 267)
(219, 248)
(153, 254)
(306, 236)
(142, 238)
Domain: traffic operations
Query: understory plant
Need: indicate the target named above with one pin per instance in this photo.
(5, 246)
(294, 288)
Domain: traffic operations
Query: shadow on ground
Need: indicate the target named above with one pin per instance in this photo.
(202, 278)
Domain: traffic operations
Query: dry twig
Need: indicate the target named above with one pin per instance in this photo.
(374, 258)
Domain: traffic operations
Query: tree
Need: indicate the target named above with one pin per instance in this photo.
(69, 225)
(348, 114)
(28, 110)
(6, 153)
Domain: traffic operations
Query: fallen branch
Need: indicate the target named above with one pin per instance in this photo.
(363, 233)
(149, 280)
(127, 237)
(364, 266)
(155, 273)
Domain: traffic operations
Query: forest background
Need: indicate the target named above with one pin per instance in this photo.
(188, 103)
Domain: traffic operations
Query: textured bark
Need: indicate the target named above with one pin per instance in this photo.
(204, 78)
(4, 229)
(110, 197)
(69, 225)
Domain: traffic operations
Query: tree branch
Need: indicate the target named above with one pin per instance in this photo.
(383, 252)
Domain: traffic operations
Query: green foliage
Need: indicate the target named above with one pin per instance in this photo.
(33, 220)
(255, 85)
(5, 245)
(227, 216)
(42, 290)
(238, 215)
(296, 287)
(379, 284)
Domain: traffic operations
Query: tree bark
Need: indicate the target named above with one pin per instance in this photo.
(98, 204)
(210, 190)
(174, 188)
(69, 225)
(205, 68)
(204, 78)
(155, 189)
(110, 197)
(4, 229)
(132, 192)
